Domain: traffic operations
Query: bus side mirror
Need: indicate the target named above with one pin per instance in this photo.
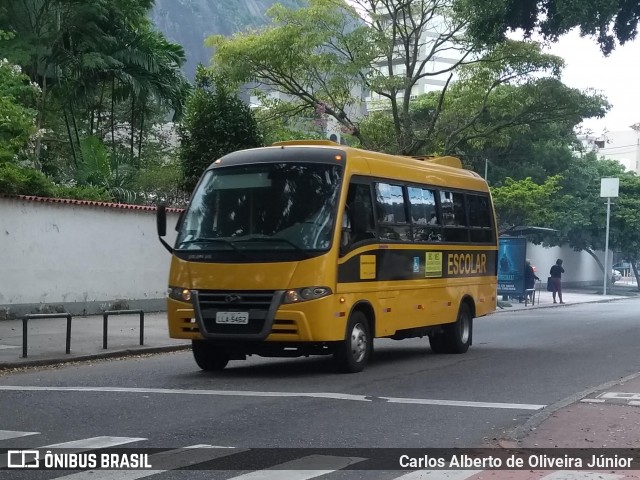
(161, 220)
(161, 225)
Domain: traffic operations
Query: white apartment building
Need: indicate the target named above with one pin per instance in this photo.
(620, 145)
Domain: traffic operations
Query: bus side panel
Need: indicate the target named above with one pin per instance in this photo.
(412, 287)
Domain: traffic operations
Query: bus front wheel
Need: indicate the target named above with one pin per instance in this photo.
(208, 357)
(352, 354)
(455, 337)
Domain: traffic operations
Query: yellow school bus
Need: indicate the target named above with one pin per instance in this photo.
(311, 247)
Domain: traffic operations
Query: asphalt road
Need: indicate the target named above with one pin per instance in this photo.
(409, 397)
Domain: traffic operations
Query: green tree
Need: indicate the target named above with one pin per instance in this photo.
(608, 21)
(315, 73)
(525, 203)
(17, 120)
(278, 126)
(333, 48)
(90, 57)
(216, 123)
(499, 110)
(571, 205)
(107, 77)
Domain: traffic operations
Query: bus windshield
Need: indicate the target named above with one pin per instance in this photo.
(264, 207)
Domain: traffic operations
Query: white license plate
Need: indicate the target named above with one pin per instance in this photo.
(232, 318)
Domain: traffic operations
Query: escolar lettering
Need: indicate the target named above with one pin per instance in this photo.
(466, 263)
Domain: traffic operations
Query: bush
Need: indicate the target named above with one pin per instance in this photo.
(96, 194)
(16, 180)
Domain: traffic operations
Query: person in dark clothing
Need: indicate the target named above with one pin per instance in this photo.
(556, 280)
(530, 278)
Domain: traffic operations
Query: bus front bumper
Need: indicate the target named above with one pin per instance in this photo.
(305, 322)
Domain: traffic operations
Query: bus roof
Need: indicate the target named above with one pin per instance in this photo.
(445, 170)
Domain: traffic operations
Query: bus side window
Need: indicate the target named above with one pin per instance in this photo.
(424, 215)
(391, 213)
(454, 217)
(359, 216)
(480, 218)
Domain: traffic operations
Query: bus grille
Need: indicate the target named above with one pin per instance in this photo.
(256, 303)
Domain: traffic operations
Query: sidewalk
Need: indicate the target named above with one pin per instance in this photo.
(544, 299)
(46, 339)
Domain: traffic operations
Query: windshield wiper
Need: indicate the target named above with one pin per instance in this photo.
(260, 238)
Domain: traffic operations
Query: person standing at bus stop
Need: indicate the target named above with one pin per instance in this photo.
(556, 280)
(530, 278)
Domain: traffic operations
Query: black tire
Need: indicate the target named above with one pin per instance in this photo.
(456, 337)
(352, 354)
(438, 343)
(208, 357)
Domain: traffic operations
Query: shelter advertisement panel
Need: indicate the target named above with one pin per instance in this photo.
(512, 254)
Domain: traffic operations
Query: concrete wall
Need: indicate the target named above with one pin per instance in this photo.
(80, 257)
(581, 269)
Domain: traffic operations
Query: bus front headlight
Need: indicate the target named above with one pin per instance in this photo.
(307, 293)
(180, 294)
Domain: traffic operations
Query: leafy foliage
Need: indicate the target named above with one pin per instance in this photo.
(216, 123)
(497, 113)
(315, 72)
(524, 202)
(571, 205)
(334, 49)
(15, 180)
(106, 77)
(17, 117)
(608, 21)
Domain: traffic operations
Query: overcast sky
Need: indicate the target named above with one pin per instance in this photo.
(616, 76)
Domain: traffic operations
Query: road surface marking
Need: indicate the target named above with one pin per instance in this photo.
(459, 403)
(7, 347)
(620, 396)
(566, 475)
(593, 400)
(439, 475)
(242, 393)
(7, 434)
(303, 468)
(95, 443)
(160, 462)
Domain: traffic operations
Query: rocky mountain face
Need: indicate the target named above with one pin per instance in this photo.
(190, 22)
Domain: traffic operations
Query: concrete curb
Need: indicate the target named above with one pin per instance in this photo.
(528, 309)
(129, 352)
(513, 437)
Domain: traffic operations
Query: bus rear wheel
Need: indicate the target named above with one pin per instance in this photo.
(352, 354)
(208, 357)
(455, 337)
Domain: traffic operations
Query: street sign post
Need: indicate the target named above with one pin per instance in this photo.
(609, 187)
